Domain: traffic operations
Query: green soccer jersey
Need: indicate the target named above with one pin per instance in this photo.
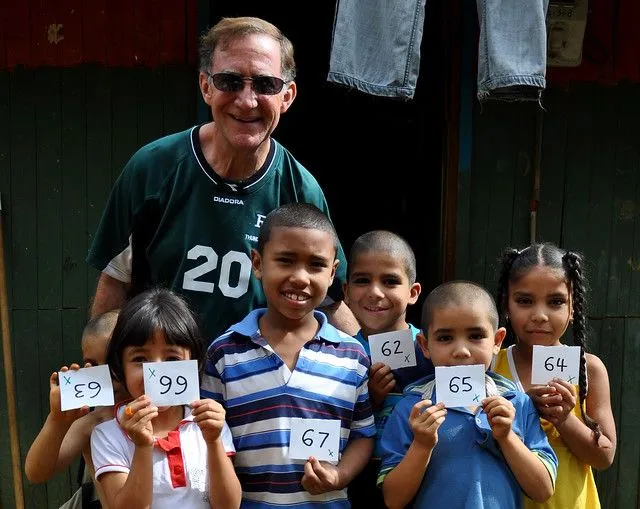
(192, 231)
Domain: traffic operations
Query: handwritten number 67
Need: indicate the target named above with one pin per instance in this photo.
(308, 441)
(167, 382)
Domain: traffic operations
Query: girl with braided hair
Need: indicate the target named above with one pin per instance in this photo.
(541, 291)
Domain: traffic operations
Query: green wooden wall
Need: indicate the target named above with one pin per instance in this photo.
(64, 136)
(590, 202)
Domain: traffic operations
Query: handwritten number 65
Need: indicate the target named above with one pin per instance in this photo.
(454, 387)
(167, 382)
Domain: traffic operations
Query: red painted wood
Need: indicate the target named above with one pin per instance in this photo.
(46, 34)
(172, 32)
(147, 15)
(94, 31)
(120, 32)
(192, 32)
(17, 33)
(628, 41)
(71, 47)
(598, 48)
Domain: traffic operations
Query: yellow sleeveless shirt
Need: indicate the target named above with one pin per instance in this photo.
(575, 484)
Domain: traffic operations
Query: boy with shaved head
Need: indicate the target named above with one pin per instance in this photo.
(464, 457)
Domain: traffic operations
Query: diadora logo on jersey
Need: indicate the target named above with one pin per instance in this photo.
(228, 201)
(233, 187)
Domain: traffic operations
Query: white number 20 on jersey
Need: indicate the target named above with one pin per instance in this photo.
(190, 281)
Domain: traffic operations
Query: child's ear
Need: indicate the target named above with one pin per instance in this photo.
(256, 263)
(414, 293)
(501, 333)
(424, 344)
(345, 298)
(333, 269)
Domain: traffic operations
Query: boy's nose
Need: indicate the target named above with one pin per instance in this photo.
(299, 277)
(376, 292)
(461, 351)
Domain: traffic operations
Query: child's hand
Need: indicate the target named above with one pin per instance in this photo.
(554, 401)
(320, 477)
(381, 382)
(136, 421)
(500, 414)
(209, 416)
(57, 414)
(424, 421)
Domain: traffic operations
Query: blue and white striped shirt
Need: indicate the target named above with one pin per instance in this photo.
(261, 396)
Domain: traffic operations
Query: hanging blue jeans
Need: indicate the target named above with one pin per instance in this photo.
(512, 49)
(376, 46)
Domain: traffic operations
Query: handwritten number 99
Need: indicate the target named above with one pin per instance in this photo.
(167, 382)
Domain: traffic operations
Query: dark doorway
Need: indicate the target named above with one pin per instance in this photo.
(379, 160)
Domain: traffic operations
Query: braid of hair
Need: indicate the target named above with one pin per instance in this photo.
(573, 266)
(502, 293)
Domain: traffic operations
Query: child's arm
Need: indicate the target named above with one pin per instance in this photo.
(557, 408)
(403, 482)
(135, 488)
(530, 472)
(62, 438)
(224, 486)
(320, 477)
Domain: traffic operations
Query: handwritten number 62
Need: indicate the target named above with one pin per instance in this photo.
(167, 382)
(386, 351)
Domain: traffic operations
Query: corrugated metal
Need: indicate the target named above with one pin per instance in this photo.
(589, 202)
(65, 135)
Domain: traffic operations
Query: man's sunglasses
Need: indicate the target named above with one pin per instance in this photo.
(262, 85)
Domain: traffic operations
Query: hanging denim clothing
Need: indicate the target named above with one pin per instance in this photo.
(376, 46)
(512, 49)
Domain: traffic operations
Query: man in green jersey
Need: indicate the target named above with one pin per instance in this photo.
(186, 211)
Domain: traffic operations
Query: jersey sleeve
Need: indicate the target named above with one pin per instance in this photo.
(396, 438)
(535, 438)
(107, 451)
(138, 184)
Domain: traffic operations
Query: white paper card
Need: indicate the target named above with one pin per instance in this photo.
(85, 387)
(550, 362)
(319, 438)
(460, 385)
(171, 383)
(395, 349)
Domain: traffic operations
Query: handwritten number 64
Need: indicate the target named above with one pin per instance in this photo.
(548, 364)
(308, 441)
(167, 382)
(93, 386)
(386, 351)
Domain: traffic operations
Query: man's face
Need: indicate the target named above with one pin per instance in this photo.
(246, 119)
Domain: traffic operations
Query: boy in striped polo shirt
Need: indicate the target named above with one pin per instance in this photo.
(286, 362)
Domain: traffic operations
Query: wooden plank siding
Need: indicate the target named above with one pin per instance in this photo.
(64, 136)
(589, 202)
